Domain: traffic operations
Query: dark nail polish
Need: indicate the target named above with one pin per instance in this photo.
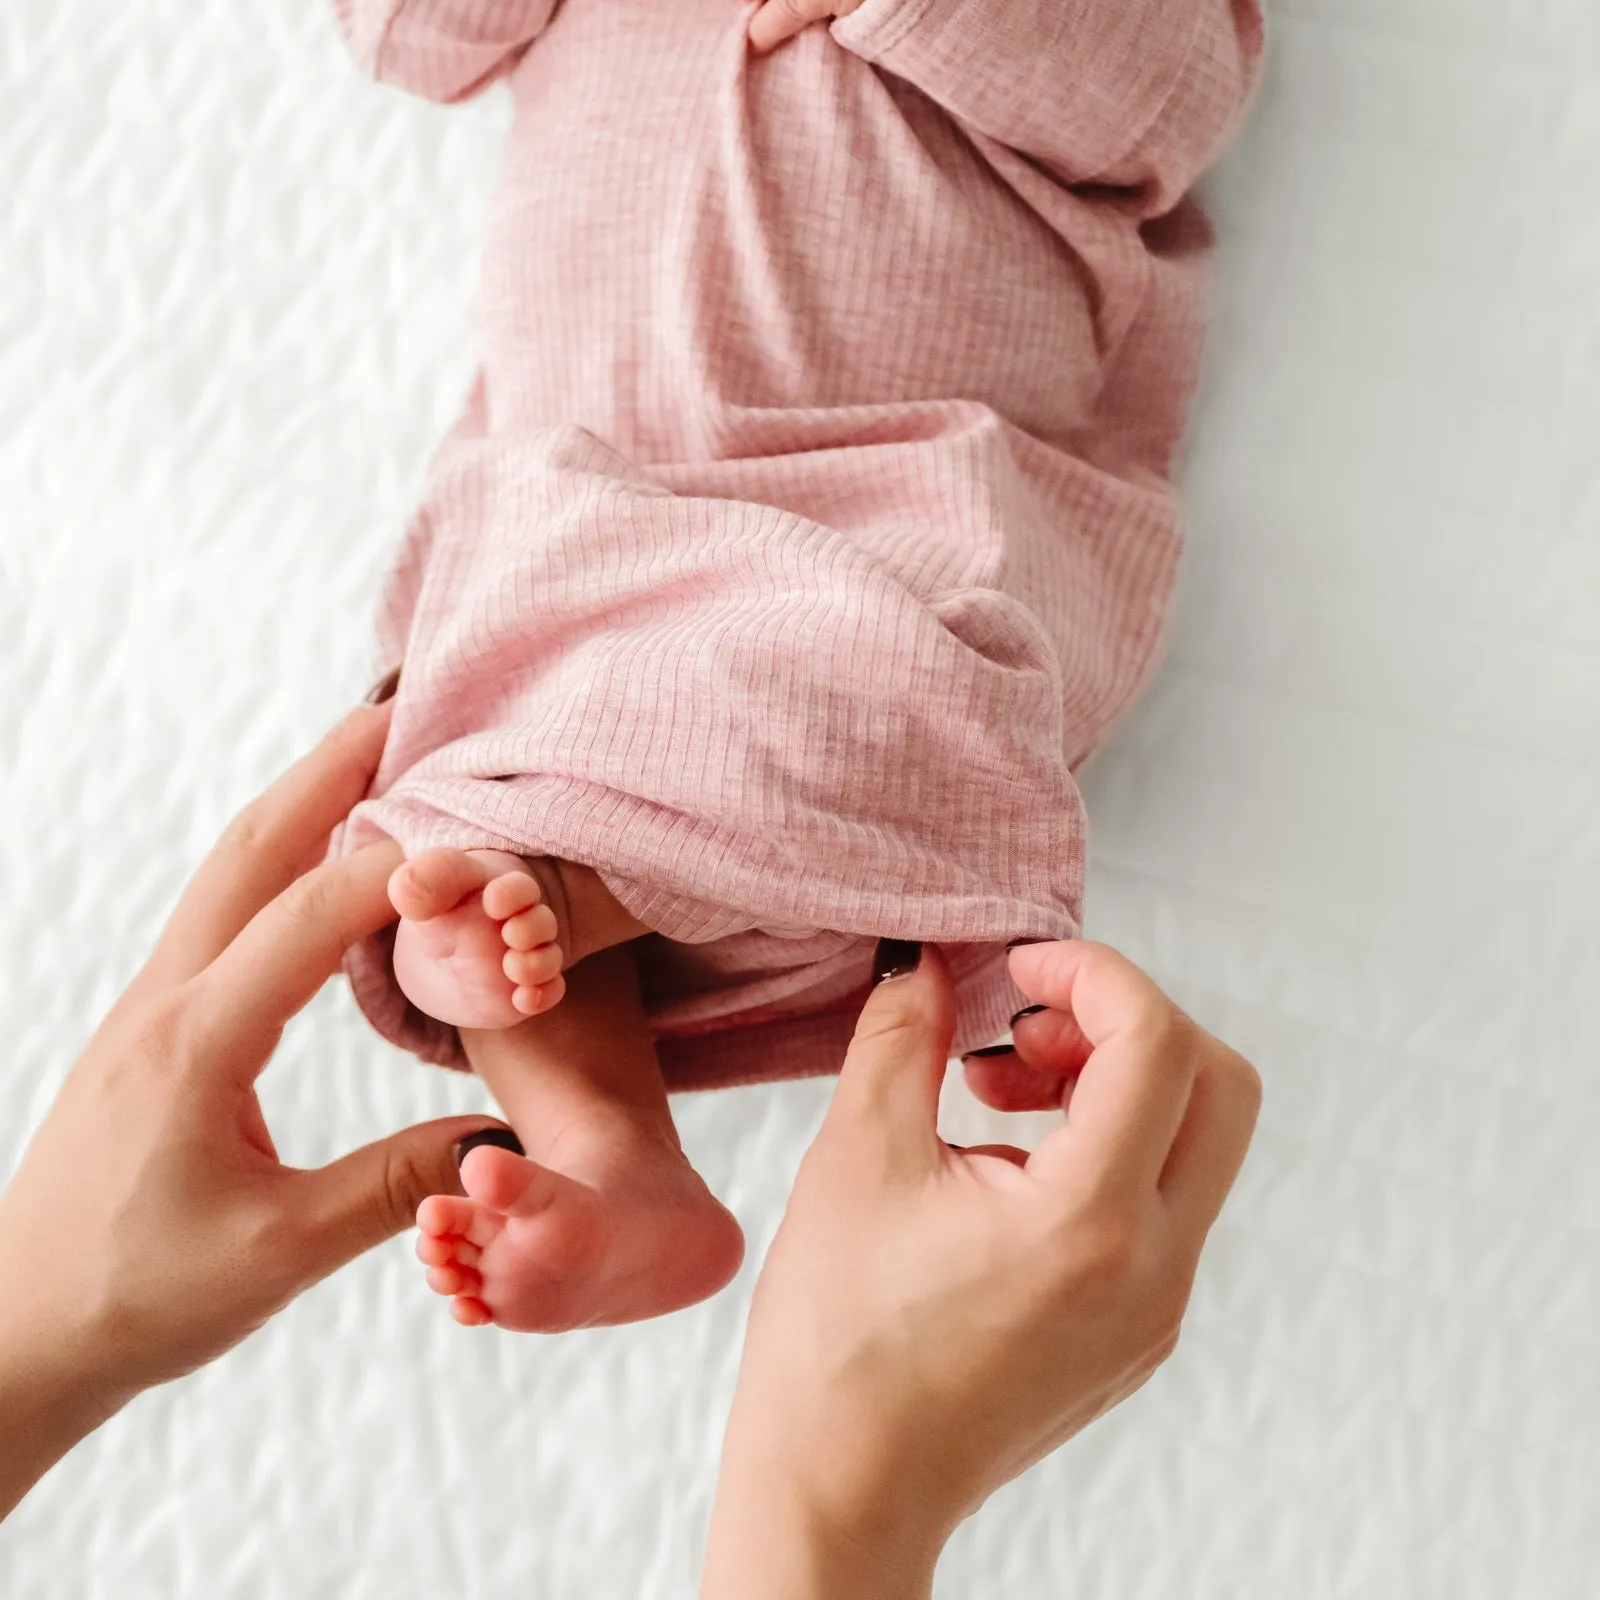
(990, 1052)
(1027, 1011)
(895, 958)
(500, 1138)
(1027, 938)
(384, 689)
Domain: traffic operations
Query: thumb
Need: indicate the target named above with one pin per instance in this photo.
(893, 1071)
(358, 1201)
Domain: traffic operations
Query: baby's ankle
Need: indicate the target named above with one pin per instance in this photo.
(593, 918)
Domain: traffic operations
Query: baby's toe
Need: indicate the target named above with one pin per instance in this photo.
(446, 1216)
(531, 968)
(510, 893)
(470, 1312)
(531, 928)
(531, 1001)
(433, 883)
(451, 1281)
(436, 1251)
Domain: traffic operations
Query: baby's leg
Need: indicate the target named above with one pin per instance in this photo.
(485, 936)
(604, 1221)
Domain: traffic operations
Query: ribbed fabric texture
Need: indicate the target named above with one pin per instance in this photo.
(810, 521)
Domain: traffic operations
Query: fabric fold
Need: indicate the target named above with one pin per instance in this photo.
(777, 739)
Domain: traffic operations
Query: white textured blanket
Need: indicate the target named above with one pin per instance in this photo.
(1356, 824)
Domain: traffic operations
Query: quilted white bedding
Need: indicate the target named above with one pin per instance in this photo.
(1355, 826)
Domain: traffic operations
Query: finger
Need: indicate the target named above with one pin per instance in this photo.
(889, 1084)
(268, 845)
(778, 20)
(1035, 1072)
(1118, 995)
(1052, 1043)
(1211, 1144)
(293, 946)
(1008, 1083)
(1132, 1093)
(373, 1193)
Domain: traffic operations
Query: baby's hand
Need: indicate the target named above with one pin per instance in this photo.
(777, 20)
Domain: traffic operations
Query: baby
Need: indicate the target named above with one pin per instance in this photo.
(809, 524)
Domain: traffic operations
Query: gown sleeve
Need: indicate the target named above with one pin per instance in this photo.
(1134, 95)
(446, 50)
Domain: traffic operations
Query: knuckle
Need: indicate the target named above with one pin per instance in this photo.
(258, 833)
(1106, 1250)
(1059, 960)
(306, 903)
(1165, 1347)
(1169, 1301)
(247, 833)
(162, 1039)
(1246, 1081)
(402, 1187)
(165, 1024)
(892, 1014)
(1164, 1034)
(1166, 1303)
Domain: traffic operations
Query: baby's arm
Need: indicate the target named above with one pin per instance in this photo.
(441, 49)
(1135, 95)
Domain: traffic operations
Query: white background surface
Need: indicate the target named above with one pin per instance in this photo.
(1355, 826)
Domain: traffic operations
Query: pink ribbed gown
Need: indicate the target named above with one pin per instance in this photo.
(810, 521)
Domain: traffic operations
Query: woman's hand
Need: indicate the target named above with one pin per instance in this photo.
(932, 1321)
(151, 1225)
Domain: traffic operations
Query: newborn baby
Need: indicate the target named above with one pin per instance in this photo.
(808, 525)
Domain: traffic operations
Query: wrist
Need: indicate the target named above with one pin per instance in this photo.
(782, 1533)
(51, 1398)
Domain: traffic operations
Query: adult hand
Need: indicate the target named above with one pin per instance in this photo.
(151, 1225)
(931, 1321)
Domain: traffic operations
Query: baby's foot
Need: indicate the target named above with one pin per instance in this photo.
(629, 1231)
(482, 936)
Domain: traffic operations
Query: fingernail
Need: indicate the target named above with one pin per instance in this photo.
(1027, 1011)
(500, 1138)
(1027, 938)
(990, 1052)
(894, 958)
(383, 690)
